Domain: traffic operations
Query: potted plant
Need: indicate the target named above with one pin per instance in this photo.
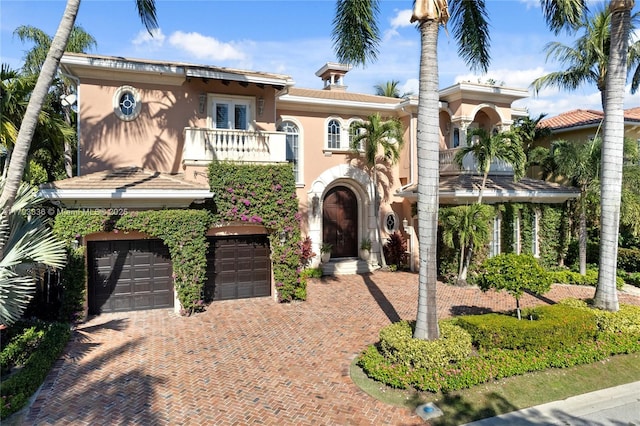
(325, 252)
(365, 249)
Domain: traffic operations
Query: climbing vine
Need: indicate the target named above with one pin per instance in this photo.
(182, 231)
(266, 195)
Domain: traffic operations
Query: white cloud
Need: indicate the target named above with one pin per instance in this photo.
(531, 4)
(204, 47)
(401, 19)
(155, 40)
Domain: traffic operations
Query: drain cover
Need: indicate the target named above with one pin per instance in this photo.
(428, 411)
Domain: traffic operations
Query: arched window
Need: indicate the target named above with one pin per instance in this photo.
(333, 134)
(293, 145)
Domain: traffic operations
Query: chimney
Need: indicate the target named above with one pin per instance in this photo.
(332, 75)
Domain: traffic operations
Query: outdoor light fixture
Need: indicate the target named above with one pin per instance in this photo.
(202, 102)
(405, 223)
(260, 105)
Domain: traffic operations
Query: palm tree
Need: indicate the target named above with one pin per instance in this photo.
(373, 136)
(147, 12)
(529, 131)
(25, 241)
(79, 42)
(356, 36)
(570, 14)
(51, 132)
(390, 90)
(579, 164)
(503, 146)
(466, 227)
(587, 61)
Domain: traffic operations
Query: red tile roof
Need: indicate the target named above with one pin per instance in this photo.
(127, 178)
(584, 117)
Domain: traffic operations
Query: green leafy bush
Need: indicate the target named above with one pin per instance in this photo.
(554, 327)
(632, 278)
(16, 389)
(514, 273)
(626, 320)
(629, 259)
(575, 278)
(398, 345)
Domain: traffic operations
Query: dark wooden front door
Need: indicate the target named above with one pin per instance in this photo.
(340, 222)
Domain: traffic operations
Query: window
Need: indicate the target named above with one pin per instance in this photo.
(127, 103)
(293, 147)
(456, 137)
(333, 134)
(231, 113)
(494, 249)
(516, 233)
(390, 222)
(535, 244)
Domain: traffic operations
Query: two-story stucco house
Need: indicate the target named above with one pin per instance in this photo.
(147, 130)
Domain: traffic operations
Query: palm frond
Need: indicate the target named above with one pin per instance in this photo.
(15, 293)
(563, 14)
(471, 31)
(355, 32)
(148, 16)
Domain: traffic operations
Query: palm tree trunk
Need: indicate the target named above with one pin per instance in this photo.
(30, 120)
(428, 142)
(582, 238)
(606, 296)
(376, 213)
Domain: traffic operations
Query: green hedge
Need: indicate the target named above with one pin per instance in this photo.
(497, 363)
(575, 278)
(398, 346)
(44, 344)
(629, 259)
(553, 327)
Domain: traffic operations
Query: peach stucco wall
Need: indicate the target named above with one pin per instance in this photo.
(155, 139)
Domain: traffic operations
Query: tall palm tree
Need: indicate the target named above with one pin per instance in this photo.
(390, 89)
(147, 12)
(504, 146)
(529, 131)
(465, 227)
(79, 42)
(24, 242)
(375, 135)
(356, 37)
(570, 14)
(587, 60)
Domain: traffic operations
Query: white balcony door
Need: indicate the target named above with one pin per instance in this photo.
(231, 113)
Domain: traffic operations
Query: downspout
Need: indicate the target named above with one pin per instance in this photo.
(77, 81)
(409, 229)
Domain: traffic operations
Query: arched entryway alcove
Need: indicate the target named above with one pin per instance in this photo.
(340, 221)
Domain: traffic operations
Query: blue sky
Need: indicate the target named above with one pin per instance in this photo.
(294, 38)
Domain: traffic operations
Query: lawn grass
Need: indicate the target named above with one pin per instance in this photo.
(513, 393)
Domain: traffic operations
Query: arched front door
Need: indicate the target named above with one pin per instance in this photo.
(340, 222)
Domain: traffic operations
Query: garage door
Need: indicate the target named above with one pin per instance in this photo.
(238, 267)
(129, 275)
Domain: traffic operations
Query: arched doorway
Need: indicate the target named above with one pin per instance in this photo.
(340, 221)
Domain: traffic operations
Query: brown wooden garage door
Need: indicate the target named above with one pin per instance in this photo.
(129, 275)
(238, 267)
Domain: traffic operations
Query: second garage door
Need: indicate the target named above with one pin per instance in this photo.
(238, 267)
(127, 275)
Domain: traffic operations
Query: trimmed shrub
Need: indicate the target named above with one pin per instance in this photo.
(629, 259)
(399, 347)
(632, 278)
(575, 278)
(16, 389)
(514, 273)
(626, 320)
(553, 327)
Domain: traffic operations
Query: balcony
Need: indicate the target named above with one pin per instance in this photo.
(204, 145)
(469, 166)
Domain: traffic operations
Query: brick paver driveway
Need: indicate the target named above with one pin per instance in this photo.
(246, 361)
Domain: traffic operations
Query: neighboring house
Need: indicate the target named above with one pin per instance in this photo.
(149, 129)
(580, 125)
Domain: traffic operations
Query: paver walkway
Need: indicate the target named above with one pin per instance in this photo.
(249, 361)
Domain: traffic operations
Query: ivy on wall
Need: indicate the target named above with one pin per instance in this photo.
(266, 195)
(182, 231)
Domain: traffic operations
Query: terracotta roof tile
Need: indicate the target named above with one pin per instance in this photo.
(130, 178)
(583, 117)
(342, 96)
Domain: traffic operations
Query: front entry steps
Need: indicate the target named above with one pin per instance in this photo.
(347, 266)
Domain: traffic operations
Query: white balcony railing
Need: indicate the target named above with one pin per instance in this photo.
(233, 145)
(469, 166)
